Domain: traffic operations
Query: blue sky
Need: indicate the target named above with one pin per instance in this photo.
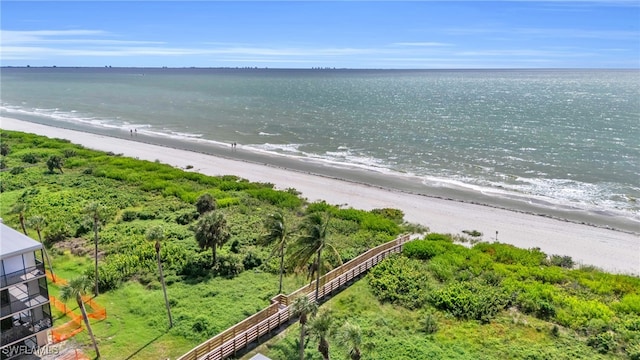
(304, 34)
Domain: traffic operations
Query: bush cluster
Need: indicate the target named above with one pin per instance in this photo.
(471, 300)
(399, 280)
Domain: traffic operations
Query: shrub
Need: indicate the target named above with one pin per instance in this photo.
(633, 350)
(3, 163)
(629, 303)
(576, 313)
(30, 158)
(470, 300)
(604, 342)
(205, 203)
(67, 153)
(147, 214)
(276, 197)
(186, 216)
(561, 261)
(394, 215)
(320, 206)
(473, 233)
(399, 280)
(424, 249)
(17, 170)
(55, 162)
(201, 325)
(229, 265)
(198, 265)
(129, 215)
(226, 202)
(251, 261)
(429, 323)
(509, 254)
(438, 237)
(56, 231)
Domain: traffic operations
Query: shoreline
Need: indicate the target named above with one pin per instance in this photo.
(609, 246)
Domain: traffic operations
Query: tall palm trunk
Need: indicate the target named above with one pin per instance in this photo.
(303, 321)
(281, 267)
(95, 240)
(355, 354)
(46, 256)
(24, 229)
(318, 272)
(164, 287)
(86, 323)
(323, 348)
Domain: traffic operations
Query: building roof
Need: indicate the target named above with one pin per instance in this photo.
(13, 243)
(259, 357)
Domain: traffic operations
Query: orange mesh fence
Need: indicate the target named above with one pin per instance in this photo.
(65, 331)
(73, 355)
(71, 328)
(98, 312)
(65, 309)
(56, 280)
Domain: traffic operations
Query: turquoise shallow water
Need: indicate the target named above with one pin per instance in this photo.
(561, 138)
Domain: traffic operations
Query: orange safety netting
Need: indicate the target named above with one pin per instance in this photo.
(98, 312)
(56, 280)
(71, 328)
(73, 355)
(68, 329)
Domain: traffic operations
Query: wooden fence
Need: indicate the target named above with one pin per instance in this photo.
(237, 337)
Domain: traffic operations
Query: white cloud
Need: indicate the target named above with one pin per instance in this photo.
(21, 37)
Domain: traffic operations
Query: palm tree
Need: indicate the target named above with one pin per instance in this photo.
(19, 209)
(312, 242)
(350, 336)
(212, 232)
(96, 213)
(156, 233)
(76, 288)
(38, 223)
(319, 328)
(278, 235)
(303, 307)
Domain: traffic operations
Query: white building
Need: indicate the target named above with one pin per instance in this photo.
(25, 314)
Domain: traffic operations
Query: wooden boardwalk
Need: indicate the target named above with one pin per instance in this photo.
(241, 335)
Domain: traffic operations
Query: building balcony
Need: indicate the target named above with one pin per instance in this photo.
(23, 275)
(19, 304)
(22, 329)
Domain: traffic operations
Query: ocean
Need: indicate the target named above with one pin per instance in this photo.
(563, 143)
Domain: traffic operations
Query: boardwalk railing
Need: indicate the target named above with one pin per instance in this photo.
(237, 337)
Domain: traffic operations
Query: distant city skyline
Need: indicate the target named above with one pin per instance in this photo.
(304, 34)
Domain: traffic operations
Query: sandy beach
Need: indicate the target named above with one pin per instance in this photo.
(611, 250)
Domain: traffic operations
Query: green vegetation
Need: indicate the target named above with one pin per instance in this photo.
(436, 300)
(443, 300)
(97, 205)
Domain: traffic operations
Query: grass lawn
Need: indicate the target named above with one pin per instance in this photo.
(137, 326)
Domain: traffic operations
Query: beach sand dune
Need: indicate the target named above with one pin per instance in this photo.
(611, 250)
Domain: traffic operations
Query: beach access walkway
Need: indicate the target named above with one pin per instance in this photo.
(276, 316)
